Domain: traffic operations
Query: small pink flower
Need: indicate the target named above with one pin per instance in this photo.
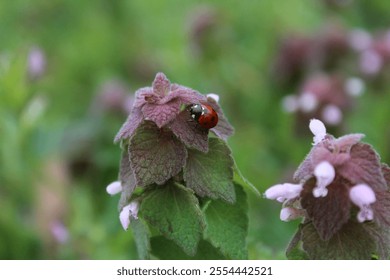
(213, 96)
(324, 173)
(289, 213)
(283, 192)
(128, 212)
(308, 102)
(59, 232)
(332, 114)
(114, 188)
(36, 63)
(363, 196)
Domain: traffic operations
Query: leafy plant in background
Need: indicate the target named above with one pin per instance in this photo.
(177, 185)
(343, 195)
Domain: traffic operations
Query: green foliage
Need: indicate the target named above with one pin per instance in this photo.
(175, 212)
(168, 250)
(142, 238)
(210, 174)
(89, 43)
(227, 225)
(217, 232)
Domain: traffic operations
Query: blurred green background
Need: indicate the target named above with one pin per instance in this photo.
(68, 70)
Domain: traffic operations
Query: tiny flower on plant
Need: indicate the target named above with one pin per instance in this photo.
(363, 196)
(128, 212)
(283, 192)
(290, 213)
(344, 192)
(114, 188)
(324, 173)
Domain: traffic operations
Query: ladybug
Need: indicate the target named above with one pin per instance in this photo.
(204, 115)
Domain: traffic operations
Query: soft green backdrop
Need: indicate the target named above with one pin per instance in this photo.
(56, 134)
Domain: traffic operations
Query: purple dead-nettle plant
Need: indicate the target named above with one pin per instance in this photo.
(343, 195)
(173, 170)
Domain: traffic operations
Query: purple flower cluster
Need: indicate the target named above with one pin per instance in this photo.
(341, 184)
(317, 69)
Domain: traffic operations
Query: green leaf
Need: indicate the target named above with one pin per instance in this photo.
(156, 155)
(241, 180)
(294, 250)
(211, 174)
(381, 235)
(351, 242)
(227, 225)
(141, 237)
(166, 249)
(174, 211)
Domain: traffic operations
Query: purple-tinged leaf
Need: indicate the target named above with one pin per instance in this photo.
(351, 242)
(223, 129)
(345, 142)
(386, 174)
(133, 121)
(324, 152)
(381, 235)
(363, 167)
(127, 179)
(381, 208)
(294, 250)
(145, 95)
(161, 114)
(186, 95)
(156, 155)
(328, 213)
(305, 169)
(211, 174)
(161, 85)
(189, 132)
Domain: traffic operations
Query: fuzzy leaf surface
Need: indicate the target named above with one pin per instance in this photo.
(161, 85)
(381, 235)
(352, 242)
(223, 129)
(211, 174)
(227, 225)
(294, 250)
(156, 155)
(166, 249)
(189, 132)
(131, 124)
(328, 213)
(364, 167)
(141, 237)
(161, 114)
(174, 211)
(127, 179)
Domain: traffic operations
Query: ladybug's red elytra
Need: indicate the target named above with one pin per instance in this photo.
(204, 115)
